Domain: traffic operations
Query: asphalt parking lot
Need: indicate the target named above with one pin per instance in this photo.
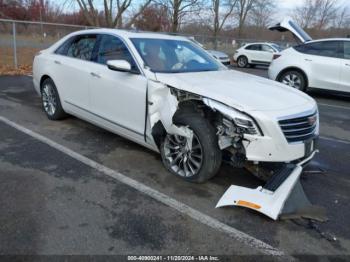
(52, 202)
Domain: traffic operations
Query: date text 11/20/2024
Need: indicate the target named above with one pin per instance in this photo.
(173, 258)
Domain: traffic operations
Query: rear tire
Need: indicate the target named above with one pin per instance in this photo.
(242, 62)
(51, 101)
(200, 163)
(294, 79)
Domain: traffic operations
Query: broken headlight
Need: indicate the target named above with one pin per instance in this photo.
(246, 126)
(243, 123)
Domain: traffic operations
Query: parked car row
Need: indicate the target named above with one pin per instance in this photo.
(312, 64)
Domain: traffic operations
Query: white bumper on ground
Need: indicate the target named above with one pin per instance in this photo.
(264, 201)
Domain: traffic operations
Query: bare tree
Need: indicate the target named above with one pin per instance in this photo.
(221, 10)
(154, 18)
(178, 9)
(326, 12)
(262, 14)
(305, 14)
(114, 11)
(316, 13)
(244, 7)
(343, 16)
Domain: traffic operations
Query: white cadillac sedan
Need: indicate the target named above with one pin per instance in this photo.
(168, 94)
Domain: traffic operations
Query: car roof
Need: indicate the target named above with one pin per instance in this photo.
(260, 43)
(328, 39)
(131, 34)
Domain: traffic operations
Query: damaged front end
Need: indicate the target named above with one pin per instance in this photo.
(243, 144)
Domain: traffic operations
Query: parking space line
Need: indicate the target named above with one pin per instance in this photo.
(335, 140)
(335, 106)
(171, 202)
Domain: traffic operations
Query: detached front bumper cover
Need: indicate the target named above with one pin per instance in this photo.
(261, 199)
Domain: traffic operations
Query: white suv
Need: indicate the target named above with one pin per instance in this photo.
(256, 54)
(320, 64)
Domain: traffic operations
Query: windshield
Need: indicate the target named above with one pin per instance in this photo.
(277, 47)
(174, 56)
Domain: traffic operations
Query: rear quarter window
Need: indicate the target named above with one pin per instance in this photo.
(63, 48)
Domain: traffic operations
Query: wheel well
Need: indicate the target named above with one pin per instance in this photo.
(43, 78)
(242, 56)
(188, 106)
(294, 69)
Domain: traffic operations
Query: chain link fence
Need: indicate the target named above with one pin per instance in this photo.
(21, 40)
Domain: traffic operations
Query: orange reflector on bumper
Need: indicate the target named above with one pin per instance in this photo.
(248, 204)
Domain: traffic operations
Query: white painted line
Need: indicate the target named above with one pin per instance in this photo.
(335, 140)
(335, 106)
(171, 202)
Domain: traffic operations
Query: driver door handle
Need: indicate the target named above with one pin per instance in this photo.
(308, 60)
(95, 75)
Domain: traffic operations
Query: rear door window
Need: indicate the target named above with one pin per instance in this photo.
(254, 47)
(347, 49)
(324, 48)
(82, 47)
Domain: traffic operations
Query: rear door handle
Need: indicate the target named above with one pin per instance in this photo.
(347, 64)
(308, 60)
(95, 75)
(58, 62)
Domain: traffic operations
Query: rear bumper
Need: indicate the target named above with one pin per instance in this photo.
(273, 72)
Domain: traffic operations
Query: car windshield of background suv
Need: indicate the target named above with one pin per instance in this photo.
(174, 56)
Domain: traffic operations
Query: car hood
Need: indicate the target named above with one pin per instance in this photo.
(236, 89)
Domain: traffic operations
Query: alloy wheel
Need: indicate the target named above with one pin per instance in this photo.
(184, 160)
(292, 80)
(49, 99)
(242, 62)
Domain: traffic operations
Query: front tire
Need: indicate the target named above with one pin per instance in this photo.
(293, 79)
(198, 164)
(242, 62)
(51, 101)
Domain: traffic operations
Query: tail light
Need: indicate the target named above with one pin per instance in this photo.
(275, 56)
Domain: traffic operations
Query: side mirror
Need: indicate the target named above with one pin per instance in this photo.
(119, 65)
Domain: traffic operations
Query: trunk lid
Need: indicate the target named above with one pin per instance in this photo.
(294, 28)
